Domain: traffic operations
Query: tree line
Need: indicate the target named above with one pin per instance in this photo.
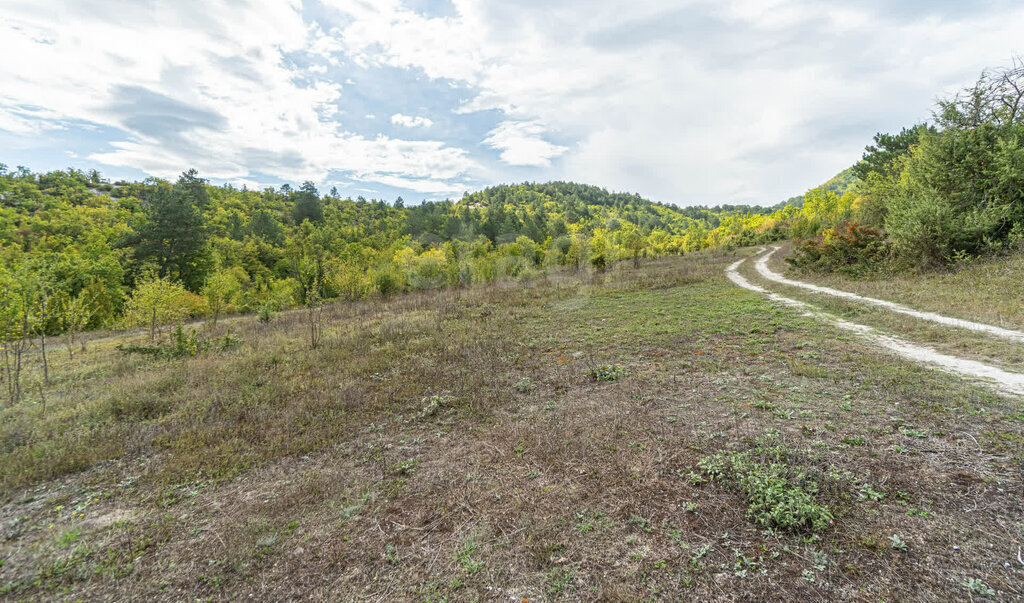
(78, 252)
(933, 195)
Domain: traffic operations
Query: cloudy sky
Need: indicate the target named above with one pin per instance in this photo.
(688, 101)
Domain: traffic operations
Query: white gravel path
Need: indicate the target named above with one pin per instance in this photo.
(1002, 381)
(762, 268)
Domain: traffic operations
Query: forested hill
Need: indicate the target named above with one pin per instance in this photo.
(546, 210)
(80, 252)
(839, 184)
(538, 211)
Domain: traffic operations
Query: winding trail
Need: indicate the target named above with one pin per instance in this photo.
(762, 268)
(1002, 381)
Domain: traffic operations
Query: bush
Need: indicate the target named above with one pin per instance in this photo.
(156, 302)
(512, 267)
(426, 271)
(266, 312)
(386, 283)
(960, 190)
(928, 231)
(184, 344)
(228, 341)
(848, 248)
(1015, 240)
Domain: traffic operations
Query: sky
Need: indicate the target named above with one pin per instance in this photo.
(686, 102)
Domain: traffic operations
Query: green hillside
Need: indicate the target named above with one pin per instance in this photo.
(80, 252)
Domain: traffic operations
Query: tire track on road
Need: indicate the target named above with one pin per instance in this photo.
(996, 378)
(762, 268)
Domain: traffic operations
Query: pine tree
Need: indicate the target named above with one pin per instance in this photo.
(307, 204)
(175, 235)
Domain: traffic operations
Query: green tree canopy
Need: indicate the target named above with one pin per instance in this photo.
(307, 204)
(174, 234)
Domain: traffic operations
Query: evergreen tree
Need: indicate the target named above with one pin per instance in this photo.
(307, 204)
(264, 225)
(880, 156)
(174, 235)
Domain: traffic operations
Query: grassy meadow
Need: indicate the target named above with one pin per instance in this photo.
(642, 433)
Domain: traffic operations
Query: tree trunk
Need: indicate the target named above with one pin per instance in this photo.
(46, 365)
(18, 355)
(17, 377)
(44, 319)
(7, 372)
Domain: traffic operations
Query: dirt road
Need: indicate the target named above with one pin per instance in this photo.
(1003, 381)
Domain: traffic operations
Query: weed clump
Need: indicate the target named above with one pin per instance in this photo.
(976, 586)
(778, 496)
(608, 372)
(183, 344)
(433, 404)
(560, 581)
(525, 385)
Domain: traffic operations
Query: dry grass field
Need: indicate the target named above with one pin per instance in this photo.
(650, 433)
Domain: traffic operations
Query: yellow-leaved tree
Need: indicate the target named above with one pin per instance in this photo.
(156, 301)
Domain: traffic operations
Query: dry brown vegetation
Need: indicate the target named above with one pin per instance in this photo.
(542, 440)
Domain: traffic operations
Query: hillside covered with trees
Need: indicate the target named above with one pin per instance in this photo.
(79, 252)
(932, 195)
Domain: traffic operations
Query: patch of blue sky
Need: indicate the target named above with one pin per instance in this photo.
(68, 145)
(432, 8)
(372, 94)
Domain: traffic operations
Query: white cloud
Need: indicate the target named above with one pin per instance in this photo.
(520, 143)
(246, 183)
(218, 93)
(411, 122)
(692, 101)
(27, 122)
(685, 100)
